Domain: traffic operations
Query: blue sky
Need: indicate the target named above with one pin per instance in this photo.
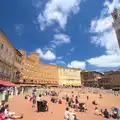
(73, 33)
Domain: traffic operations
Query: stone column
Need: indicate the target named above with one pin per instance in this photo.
(22, 90)
(12, 93)
(16, 91)
(3, 95)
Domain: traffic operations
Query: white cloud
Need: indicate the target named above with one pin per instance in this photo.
(19, 28)
(61, 39)
(105, 37)
(36, 3)
(52, 63)
(109, 6)
(106, 61)
(47, 55)
(59, 58)
(107, 40)
(56, 30)
(60, 62)
(58, 39)
(100, 25)
(72, 49)
(77, 64)
(58, 11)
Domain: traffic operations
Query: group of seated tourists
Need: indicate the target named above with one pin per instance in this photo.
(52, 93)
(70, 114)
(55, 99)
(76, 104)
(106, 114)
(5, 114)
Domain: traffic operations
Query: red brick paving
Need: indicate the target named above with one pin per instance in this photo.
(56, 112)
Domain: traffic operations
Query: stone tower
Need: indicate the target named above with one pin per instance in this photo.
(116, 23)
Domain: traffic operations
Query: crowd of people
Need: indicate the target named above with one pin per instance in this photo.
(5, 114)
(106, 114)
(73, 105)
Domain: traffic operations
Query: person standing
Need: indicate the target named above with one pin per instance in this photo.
(34, 101)
(38, 102)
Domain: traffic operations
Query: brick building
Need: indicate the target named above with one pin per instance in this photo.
(69, 76)
(9, 67)
(35, 72)
(111, 79)
(90, 78)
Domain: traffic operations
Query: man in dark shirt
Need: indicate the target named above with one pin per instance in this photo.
(106, 114)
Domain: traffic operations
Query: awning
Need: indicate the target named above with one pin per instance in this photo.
(31, 85)
(6, 83)
(52, 85)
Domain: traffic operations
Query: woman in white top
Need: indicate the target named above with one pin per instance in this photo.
(39, 98)
(67, 114)
(96, 111)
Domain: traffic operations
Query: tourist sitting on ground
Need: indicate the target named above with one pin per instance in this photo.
(71, 103)
(57, 100)
(54, 99)
(101, 112)
(11, 115)
(115, 113)
(94, 103)
(60, 101)
(76, 107)
(72, 115)
(2, 106)
(82, 107)
(28, 97)
(67, 98)
(67, 114)
(97, 112)
(106, 113)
